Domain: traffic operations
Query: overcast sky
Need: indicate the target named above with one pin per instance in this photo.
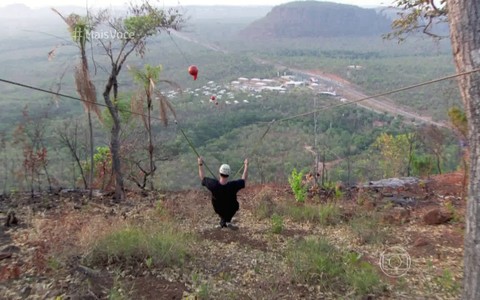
(96, 3)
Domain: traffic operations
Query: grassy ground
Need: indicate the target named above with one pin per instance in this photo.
(166, 246)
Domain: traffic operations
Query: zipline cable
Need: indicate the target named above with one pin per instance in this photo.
(193, 148)
(257, 144)
(178, 48)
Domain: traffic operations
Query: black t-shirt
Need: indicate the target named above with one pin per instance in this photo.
(223, 194)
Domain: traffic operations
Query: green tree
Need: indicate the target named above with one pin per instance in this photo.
(394, 154)
(131, 35)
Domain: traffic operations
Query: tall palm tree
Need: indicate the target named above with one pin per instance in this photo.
(79, 29)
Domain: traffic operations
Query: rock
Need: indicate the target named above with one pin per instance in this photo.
(397, 216)
(437, 217)
(4, 255)
(392, 182)
(11, 219)
(401, 201)
(10, 248)
(88, 271)
(26, 290)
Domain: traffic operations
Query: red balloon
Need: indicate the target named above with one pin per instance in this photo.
(213, 98)
(193, 70)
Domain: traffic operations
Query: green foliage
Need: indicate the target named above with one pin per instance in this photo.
(80, 32)
(333, 189)
(423, 165)
(264, 205)
(202, 287)
(458, 118)
(160, 243)
(123, 105)
(147, 75)
(149, 262)
(296, 184)
(447, 282)
(118, 291)
(54, 263)
(301, 213)
(366, 226)
(456, 216)
(102, 155)
(318, 262)
(277, 224)
(203, 291)
(329, 214)
(361, 275)
(138, 26)
(418, 17)
(394, 151)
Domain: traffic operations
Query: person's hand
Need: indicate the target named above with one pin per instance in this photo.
(200, 161)
(245, 162)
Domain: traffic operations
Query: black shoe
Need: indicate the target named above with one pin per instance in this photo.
(231, 226)
(222, 224)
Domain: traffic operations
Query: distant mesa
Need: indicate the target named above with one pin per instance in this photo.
(317, 19)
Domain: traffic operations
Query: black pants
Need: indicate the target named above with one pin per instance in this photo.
(226, 210)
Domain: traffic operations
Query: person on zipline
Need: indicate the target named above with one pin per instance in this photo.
(224, 192)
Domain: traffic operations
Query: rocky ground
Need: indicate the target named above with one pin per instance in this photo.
(42, 253)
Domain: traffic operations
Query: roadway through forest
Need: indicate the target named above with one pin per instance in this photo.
(343, 88)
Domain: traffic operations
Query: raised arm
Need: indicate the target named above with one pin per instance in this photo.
(245, 170)
(201, 173)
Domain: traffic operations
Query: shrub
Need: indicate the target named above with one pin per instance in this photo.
(277, 224)
(366, 227)
(318, 262)
(264, 205)
(300, 213)
(159, 244)
(297, 186)
(329, 214)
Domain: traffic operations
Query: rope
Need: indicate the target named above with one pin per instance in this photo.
(257, 144)
(179, 50)
(193, 148)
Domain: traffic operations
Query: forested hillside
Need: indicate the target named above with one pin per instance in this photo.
(302, 19)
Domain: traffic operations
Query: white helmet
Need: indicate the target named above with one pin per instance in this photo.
(224, 169)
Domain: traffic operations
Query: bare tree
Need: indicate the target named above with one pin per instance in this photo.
(30, 135)
(68, 137)
(142, 103)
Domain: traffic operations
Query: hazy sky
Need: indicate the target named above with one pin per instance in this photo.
(96, 3)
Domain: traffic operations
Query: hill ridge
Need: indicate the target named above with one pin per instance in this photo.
(317, 19)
